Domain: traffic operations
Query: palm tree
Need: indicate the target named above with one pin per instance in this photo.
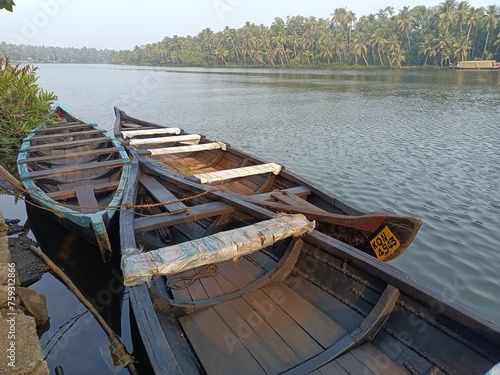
(378, 42)
(406, 22)
(295, 41)
(392, 47)
(497, 42)
(461, 48)
(351, 21)
(463, 8)
(339, 20)
(208, 37)
(490, 23)
(231, 37)
(359, 48)
(427, 47)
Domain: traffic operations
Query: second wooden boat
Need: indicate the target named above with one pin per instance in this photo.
(233, 292)
(217, 166)
(77, 172)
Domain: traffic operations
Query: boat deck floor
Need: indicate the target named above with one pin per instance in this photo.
(271, 330)
(268, 330)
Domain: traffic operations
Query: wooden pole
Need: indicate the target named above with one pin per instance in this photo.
(119, 349)
(11, 179)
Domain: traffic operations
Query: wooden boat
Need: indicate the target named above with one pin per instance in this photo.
(78, 173)
(302, 305)
(477, 65)
(218, 166)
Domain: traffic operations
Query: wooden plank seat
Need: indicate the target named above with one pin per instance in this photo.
(275, 330)
(228, 174)
(73, 170)
(70, 193)
(193, 213)
(84, 133)
(189, 139)
(138, 133)
(86, 198)
(181, 149)
(48, 158)
(64, 126)
(74, 143)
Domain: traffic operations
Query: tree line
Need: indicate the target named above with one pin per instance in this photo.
(439, 35)
(46, 54)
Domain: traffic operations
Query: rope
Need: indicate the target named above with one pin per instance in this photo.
(182, 282)
(120, 355)
(127, 205)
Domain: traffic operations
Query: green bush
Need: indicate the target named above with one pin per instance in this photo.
(23, 105)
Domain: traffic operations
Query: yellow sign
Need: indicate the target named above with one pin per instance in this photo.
(385, 244)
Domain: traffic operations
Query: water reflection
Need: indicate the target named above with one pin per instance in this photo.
(75, 340)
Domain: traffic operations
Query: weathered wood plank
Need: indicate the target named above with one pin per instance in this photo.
(353, 366)
(265, 345)
(86, 198)
(71, 155)
(160, 193)
(193, 213)
(333, 368)
(161, 356)
(64, 126)
(72, 170)
(294, 335)
(70, 193)
(69, 144)
(84, 133)
(377, 361)
(323, 329)
(214, 341)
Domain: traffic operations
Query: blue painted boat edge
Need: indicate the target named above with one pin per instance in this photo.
(90, 222)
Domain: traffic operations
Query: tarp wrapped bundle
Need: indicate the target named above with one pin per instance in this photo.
(139, 267)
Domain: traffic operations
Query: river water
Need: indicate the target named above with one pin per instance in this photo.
(410, 142)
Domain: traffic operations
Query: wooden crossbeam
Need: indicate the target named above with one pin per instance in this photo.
(201, 211)
(64, 126)
(70, 193)
(75, 169)
(190, 138)
(79, 142)
(137, 133)
(99, 151)
(66, 135)
(191, 148)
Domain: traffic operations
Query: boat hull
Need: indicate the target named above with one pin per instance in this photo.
(309, 304)
(76, 172)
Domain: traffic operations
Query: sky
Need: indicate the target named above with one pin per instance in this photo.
(124, 24)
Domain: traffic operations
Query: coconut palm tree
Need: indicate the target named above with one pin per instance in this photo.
(359, 48)
(490, 23)
(427, 47)
(462, 12)
(461, 48)
(406, 22)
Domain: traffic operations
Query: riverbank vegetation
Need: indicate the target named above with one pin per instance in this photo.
(446, 33)
(23, 104)
(47, 54)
